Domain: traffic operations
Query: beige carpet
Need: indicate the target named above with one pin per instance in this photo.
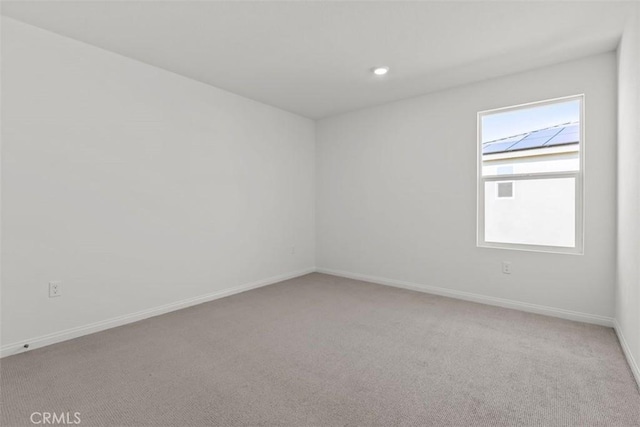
(321, 350)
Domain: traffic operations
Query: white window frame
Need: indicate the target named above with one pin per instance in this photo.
(577, 175)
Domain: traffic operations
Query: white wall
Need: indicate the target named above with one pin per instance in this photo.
(137, 187)
(541, 212)
(628, 279)
(396, 194)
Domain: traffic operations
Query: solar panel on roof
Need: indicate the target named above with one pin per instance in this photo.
(497, 148)
(535, 139)
(574, 127)
(500, 145)
(569, 135)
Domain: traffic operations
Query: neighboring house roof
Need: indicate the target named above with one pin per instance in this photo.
(564, 134)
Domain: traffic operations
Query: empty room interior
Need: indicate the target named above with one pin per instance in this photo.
(320, 213)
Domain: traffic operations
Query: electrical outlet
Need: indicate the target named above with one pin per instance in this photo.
(55, 289)
(506, 267)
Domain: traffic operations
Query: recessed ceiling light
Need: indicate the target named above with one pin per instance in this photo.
(380, 71)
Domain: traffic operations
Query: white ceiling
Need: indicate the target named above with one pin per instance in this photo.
(314, 58)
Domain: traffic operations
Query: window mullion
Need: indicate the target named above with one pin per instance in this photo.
(515, 177)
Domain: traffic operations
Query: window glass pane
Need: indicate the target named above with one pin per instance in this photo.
(537, 139)
(539, 212)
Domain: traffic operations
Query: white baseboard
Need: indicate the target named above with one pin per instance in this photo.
(37, 342)
(483, 299)
(56, 337)
(627, 352)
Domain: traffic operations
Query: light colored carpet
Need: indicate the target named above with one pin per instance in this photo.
(322, 350)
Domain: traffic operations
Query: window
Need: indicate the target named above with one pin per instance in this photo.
(530, 168)
(505, 190)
